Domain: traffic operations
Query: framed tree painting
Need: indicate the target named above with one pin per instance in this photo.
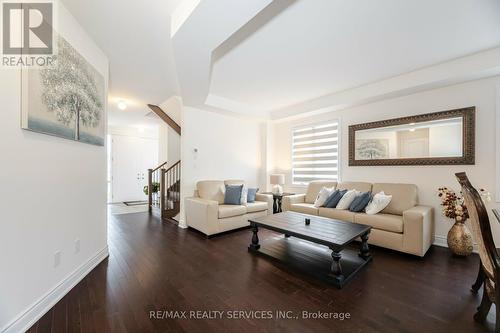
(65, 99)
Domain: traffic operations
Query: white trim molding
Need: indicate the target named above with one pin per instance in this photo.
(34, 312)
(440, 241)
(443, 242)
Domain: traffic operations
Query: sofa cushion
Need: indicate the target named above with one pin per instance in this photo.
(305, 208)
(379, 202)
(233, 195)
(314, 188)
(257, 206)
(244, 191)
(231, 210)
(387, 222)
(347, 199)
(334, 199)
(359, 186)
(337, 214)
(323, 195)
(360, 202)
(404, 197)
(211, 190)
(251, 193)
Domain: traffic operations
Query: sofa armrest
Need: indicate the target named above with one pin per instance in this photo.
(418, 229)
(266, 198)
(202, 215)
(289, 200)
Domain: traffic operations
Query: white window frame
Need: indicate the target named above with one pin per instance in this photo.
(339, 151)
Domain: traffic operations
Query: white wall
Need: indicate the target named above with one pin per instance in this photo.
(228, 148)
(170, 141)
(52, 192)
(174, 147)
(169, 145)
(139, 132)
(479, 93)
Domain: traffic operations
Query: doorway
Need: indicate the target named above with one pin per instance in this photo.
(130, 159)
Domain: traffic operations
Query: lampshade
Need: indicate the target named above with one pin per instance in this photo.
(278, 179)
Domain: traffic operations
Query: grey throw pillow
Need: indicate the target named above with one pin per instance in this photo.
(252, 192)
(233, 195)
(334, 199)
(360, 203)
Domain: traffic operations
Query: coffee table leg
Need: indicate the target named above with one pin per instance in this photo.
(364, 250)
(336, 268)
(254, 246)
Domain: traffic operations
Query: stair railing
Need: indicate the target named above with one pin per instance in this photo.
(154, 186)
(170, 196)
(164, 187)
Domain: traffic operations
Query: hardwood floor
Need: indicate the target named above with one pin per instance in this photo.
(157, 266)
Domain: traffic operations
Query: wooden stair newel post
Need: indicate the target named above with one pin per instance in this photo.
(162, 193)
(150, 190)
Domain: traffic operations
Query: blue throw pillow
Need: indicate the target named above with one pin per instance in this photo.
(233, 195)
(334, 198)
(251, 194)
(360, 203)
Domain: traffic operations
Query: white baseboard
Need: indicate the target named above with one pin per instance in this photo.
(25, 320)
(182, 224)
(443, 242)
(182, 221)
(440, 241)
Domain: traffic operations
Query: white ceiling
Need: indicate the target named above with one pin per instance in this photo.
(275, 59)
(315, 48)
(135, 36)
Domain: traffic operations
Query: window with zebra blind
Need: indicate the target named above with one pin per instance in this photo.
(315, 153)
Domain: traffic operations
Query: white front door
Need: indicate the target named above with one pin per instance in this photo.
(131, 159)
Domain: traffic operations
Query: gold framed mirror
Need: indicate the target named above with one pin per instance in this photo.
(440, 138)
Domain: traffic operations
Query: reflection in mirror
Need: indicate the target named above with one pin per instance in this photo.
(439, 138)
(435, 138)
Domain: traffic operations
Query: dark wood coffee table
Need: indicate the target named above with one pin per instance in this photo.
(318, 248)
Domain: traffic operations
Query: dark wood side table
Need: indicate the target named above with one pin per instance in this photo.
(480, 275)
(277, 200)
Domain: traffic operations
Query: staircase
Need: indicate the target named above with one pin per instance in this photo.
(164, 184)
(164, 190)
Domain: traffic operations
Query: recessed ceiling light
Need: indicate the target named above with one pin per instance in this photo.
(122, 105)
(412, 130)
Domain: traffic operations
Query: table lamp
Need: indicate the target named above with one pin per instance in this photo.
(277, 180)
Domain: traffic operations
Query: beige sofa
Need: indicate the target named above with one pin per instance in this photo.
(403, 225)
(206, 212)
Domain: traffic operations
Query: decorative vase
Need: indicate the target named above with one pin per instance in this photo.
(460, 239)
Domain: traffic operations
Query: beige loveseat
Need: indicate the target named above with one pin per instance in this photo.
(403, 225)
(206, 212)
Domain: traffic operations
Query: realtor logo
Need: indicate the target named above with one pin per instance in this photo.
(27, 33)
